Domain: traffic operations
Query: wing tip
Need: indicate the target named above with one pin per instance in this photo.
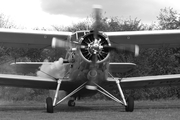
(53, 44)
(136, 50)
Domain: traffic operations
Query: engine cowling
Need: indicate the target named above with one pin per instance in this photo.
(94, 46)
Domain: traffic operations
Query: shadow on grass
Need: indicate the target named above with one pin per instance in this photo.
(21, 108)
(62, 108)
(83, 107)
(157, 107)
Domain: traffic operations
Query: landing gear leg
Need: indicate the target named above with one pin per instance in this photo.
(49, 102)
(129, 103)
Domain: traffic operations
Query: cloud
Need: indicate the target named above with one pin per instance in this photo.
(80, 6)
(84, 7)
(146, 10)
(76, 8)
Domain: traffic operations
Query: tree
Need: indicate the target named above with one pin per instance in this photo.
(116, 24)
(168, 19)
(5, 22)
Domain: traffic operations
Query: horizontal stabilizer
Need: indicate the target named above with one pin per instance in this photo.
(30, 67)
(121, 67)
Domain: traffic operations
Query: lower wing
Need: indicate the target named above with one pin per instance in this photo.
(34, 82)
(120, 67)
(148, 81)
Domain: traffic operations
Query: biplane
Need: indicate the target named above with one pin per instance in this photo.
(87, 67)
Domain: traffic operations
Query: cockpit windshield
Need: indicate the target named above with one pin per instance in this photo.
(77, 35)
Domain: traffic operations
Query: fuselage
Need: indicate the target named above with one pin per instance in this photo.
(82, 71)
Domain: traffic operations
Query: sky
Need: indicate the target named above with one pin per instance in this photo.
(44, 13)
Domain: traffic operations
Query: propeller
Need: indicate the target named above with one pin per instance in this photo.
(56, 42)
(97, 24)
(95, 44)
(95, 47)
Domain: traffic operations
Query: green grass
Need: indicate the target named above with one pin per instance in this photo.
(92, 110)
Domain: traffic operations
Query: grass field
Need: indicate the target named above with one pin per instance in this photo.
(92, 110)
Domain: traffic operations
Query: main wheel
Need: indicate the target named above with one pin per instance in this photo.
(130, 104)
(49, 104)
(71, 103)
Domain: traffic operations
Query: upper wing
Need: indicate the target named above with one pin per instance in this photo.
(33, 82)
(158, 38)
(149, 81)
(29, 39)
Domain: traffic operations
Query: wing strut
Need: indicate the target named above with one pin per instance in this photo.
(120, 89)
(121, 92)
(103, 91)
(51, 105)
(129, 103)
(72, 93)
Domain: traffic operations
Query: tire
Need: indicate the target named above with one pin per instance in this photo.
(49, 104)
(71, 103)
(130, 104)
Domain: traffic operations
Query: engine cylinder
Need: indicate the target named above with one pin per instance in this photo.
(94, 46)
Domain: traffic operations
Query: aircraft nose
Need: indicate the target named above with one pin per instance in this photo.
(91, 76)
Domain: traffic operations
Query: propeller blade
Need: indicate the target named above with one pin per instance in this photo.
(97, 17)
(131, 48)
(59, 43)
(94, 60)
(127, 47)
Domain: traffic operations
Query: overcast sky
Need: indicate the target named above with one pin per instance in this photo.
(32, 13)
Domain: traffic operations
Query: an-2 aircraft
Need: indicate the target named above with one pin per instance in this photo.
(87, 64)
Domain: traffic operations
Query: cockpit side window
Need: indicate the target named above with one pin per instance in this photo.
(73, 37)
(80, 34)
